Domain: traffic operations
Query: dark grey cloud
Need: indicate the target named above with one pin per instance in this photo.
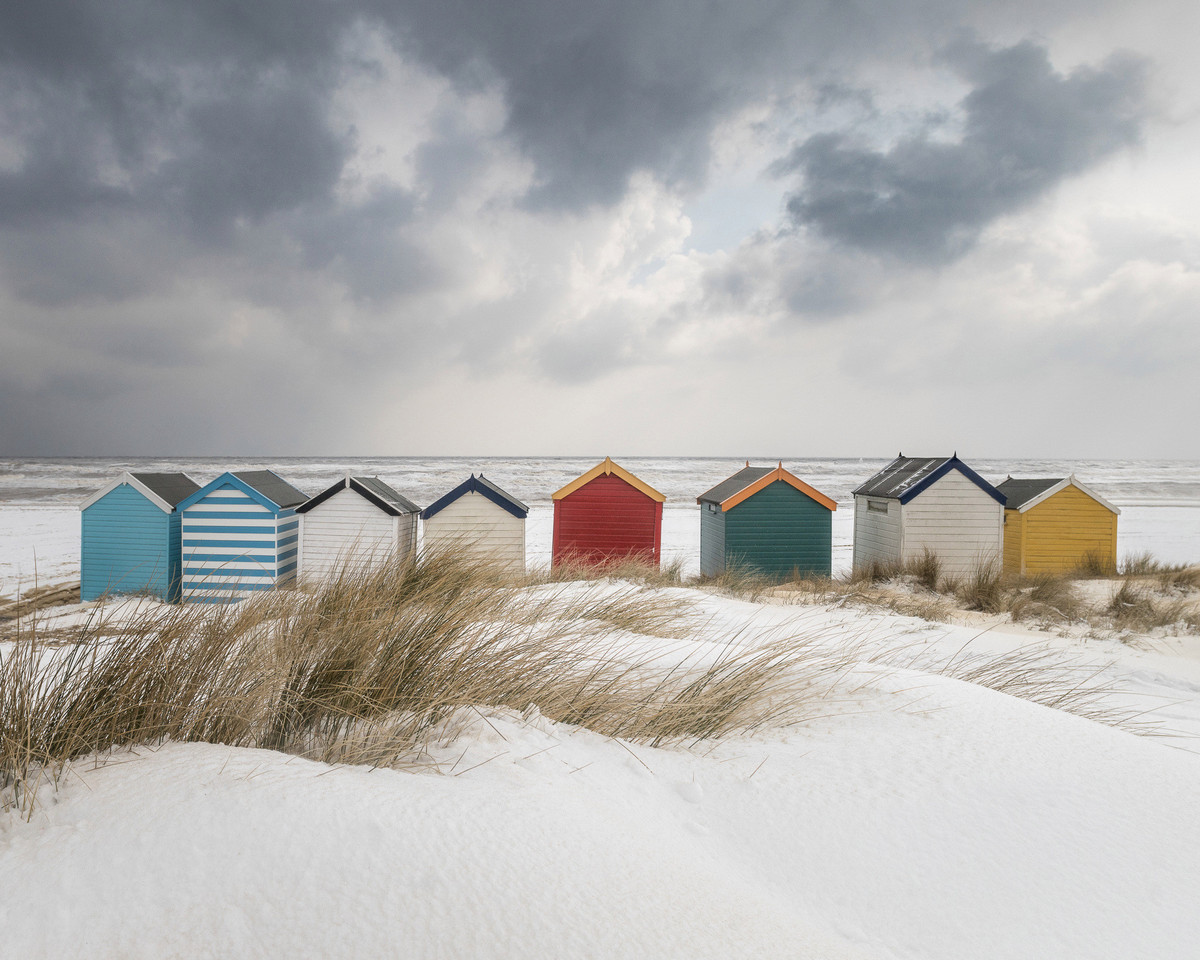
(1025, 129)
(190, 226)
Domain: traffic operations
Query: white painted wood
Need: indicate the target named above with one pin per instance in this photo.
(876, 535)
(477, 527)
(956, 520)
(347, 529)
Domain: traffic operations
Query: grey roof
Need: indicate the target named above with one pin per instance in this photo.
(735, 484)
(273, 487)
(387, 494)
(172, 487)
(1020, 492)
(903, 473)
(370, 488)
(906, 477)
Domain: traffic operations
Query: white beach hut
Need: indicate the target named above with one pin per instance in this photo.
(357, 521)
(935, 503)
(478, 519)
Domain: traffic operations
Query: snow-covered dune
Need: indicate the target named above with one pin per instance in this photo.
(925, 818)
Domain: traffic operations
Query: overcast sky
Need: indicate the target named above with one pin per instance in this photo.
(759, 227)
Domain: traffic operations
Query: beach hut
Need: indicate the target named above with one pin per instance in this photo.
(1057, 525)
(356, 521)
(129, 536)
(478, 519)
(607, 515)
(240, 534)
(935, 503)
(767, 520)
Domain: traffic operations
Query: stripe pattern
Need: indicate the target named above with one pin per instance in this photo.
(234, 546)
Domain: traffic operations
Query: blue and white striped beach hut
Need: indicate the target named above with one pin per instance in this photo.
(240, 534)
(129, 536)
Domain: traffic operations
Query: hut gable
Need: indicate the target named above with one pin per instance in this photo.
(607, 515)
(767, 520)
(1056, 525)
(477, 519)
(486, 489)
(355, 522)
(750, 480)
(928, 503)
(130, 536)
(240, 535)
(1024, 495)
(906, 478)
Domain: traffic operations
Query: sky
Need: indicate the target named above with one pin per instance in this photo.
(634, 227)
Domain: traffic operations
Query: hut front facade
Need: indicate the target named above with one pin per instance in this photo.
(940, 504)
(478, 520)
(1056, 526)
(605, 516)
(355, 523)
(766, 520)
(130, 536)
(240, 535)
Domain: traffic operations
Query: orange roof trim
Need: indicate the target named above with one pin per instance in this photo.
(778, 474)
(608, 466)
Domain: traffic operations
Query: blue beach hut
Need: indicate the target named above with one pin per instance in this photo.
(129, 536)
(240, 534)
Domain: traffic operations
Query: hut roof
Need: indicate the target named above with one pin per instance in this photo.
(165, 490)
(265, 486)
(906, 477)
(370, 488)
(273, 487)
(607, 466)
(750, 480)
(1024, 495)
(484, 487)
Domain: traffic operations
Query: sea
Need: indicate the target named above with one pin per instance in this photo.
(40, 497)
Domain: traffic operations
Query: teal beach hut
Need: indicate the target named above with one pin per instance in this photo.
(768, 521)
(130, 536)
(240, 535)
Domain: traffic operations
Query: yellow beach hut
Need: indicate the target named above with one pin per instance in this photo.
(1057, 525)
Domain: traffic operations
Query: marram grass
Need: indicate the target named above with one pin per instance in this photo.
(371, 666)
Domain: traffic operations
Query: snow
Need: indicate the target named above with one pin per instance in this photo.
(40, 545)
(918, 817)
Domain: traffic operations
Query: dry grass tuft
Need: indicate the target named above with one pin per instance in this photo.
(1046, 599)
(1095, 565)
(926, 570)
(741, 581)
(1134, 608)
(982, 589)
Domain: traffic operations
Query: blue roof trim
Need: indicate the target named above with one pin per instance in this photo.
(229, 478)
(481, 486)
(953, 464)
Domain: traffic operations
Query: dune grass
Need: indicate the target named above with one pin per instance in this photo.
(374, 665)
(370, 664)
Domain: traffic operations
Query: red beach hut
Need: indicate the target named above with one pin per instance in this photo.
(605, 516)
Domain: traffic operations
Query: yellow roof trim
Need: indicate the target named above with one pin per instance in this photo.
(608, 466)
(778, 474)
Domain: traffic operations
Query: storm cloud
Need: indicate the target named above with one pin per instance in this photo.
(306, 209)
(1025, 128)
